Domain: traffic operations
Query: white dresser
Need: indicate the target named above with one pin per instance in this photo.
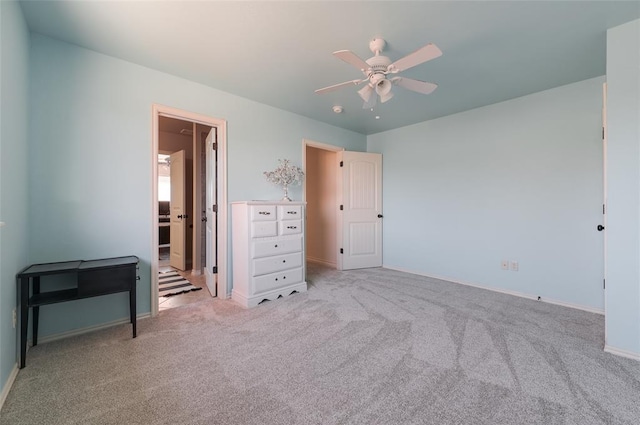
(268, 250)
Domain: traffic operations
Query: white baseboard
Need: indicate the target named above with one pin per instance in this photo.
(8, 385)
(321, 262)
(622, 353)
(575, 306)
(88, 329)
(504, 291)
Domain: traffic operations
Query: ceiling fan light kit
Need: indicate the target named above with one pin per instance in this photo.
(376, 69)
(383, 89)
(366, 92)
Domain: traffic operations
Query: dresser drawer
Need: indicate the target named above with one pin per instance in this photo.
(277, 263)
(262, 229)
(290, 227)
(263, 212)
(268, 248)
(276, 280)
(290, 212)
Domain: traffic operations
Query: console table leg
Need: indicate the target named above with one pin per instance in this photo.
(36, 316)
(132, 307)
(24, 318)
(36, 310)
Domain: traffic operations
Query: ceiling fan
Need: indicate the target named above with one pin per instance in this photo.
(378, 68)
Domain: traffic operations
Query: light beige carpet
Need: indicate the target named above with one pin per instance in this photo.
(362, 347)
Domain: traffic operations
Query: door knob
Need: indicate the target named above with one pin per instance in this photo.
(600, 227)
(379, 215)
(204, 218)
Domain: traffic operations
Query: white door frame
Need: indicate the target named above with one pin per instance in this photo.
(196, 258)
(604, 205)
(221, 125)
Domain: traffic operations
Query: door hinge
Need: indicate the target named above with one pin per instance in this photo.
(603, 210)
(602, 133)
(214, 208)
(214, 269)
(341, 251)
(342, 163)
(604, 284)
(341, 207)
(215, 146)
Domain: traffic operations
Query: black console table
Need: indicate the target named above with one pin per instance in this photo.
(94, 278)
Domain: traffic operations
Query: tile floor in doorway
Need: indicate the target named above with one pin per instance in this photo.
(187, 297)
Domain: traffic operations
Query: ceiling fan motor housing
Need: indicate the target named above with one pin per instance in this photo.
(377, 71)
(378, 64)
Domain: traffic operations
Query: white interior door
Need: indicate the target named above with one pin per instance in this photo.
(178, 222)
(211, 268)
(360, 215)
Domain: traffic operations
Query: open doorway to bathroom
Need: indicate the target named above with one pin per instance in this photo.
(189, 233)
(182, 248)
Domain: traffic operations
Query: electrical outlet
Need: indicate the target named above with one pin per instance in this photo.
(15, 318)
(504, 264)
(514, 266)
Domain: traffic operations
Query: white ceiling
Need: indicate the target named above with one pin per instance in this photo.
(278, 53)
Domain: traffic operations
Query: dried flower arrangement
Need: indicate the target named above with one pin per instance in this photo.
(285, 175)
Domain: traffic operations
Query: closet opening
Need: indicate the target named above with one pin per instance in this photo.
(320, 163)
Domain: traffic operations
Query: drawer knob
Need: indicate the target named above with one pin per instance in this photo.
(276, 245)
(276, 279)
(264, 213)
(292, 227)
(292, 212)
(284, 261)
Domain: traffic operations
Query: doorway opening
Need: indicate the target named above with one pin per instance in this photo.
(190, 231)
(182, 249)
(343, 191)
(320, 162)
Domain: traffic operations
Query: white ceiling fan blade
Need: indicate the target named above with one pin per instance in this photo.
(414, 85)
(338, 86)
(422, 55)
(352, 59)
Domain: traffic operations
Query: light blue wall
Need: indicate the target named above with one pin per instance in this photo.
(623, 187)
(519, 180)
(14, 88)
(90, 160)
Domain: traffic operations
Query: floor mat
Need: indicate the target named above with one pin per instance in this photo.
(171, 283)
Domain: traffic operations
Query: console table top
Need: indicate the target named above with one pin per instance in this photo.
(74, 266)
(50, 268)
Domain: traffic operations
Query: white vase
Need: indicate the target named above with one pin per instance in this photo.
(286, 194)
